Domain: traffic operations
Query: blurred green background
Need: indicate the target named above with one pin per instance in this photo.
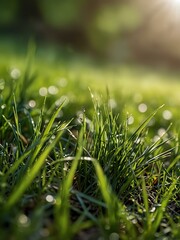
(117, 29)
(96, 26)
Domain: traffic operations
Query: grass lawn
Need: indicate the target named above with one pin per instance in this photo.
(87, 151)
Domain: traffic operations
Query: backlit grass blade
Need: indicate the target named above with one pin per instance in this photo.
(146, 204)
(160, 211)
(116, 212)
(144, 123)
(17, 163)
(46, 132)
(173, 163)
(62, 209)
(32, 173)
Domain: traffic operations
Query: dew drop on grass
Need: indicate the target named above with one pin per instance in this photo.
(66, 164)
(64, 99)
(153, 209)
(137, 140)
(50, 198)
(142, 107)
(15, 73)
(132, 218)
(134, 221)
(156, 138)
(167, 230)
(130, 120)
(3, 106)
(43, 91)
(53, 137)
(92, 95)
(167, 115)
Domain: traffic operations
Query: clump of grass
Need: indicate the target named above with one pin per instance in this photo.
(90, 177)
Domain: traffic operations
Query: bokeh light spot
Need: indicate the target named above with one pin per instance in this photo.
(43, 91)
(64, 99)
(161, 132)
(23, 220)
(156, 138)
(15, 73)
(112, 103)
(50, 198)
(53, 90)
(142, 107)
(3, 106)
(32, 103)
(167, 115)
(114, 236)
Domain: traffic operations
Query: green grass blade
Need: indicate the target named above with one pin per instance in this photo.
(160, 212)
(144, 123)
(62, 209)
(46, 133)
(31, 174)
(146, 204)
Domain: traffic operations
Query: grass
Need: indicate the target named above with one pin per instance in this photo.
(79, 167)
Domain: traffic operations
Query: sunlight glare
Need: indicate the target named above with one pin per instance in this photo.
(175, 4)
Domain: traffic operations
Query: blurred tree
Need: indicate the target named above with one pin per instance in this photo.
(29, 11)
(111, 25)
(60, 13)
(97, 25)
